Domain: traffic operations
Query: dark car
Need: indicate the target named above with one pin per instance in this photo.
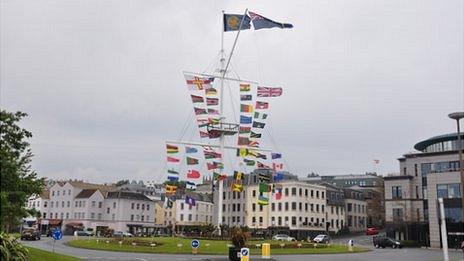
(384, 242)
(30, 234)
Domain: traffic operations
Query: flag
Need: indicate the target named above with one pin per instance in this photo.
(204, 134)
(258, 125)
(167, 203)
(243, 141)
(277, 166)
(261, 156)
(254, 143)
(262, 166)
(213, 112)
(264, 187)
(197, 99)
(199, 111)
(266, 177)
(190, 201)
(245, 152)
(203, 123)
(262, 105)
(246, 97)
(249, 162)
(190, 185)
(173, 177)
(246, 108)
(278, 193)
(214, 165)
(244, 130)
(212, 101)
(193, 174)
(269, 92)
(171, 149)
(245, 120)
(190, 150)
(261, 116)
(213, 121)
(376, 161)
(238, 175)
(218, 176)
(235, 22)
(171, 171)
(211, 155)
(210, 91)
(278, 176)
(191, 161)
(170, 189)
(260, 22)
(263, 201)
(276, 155)
(196, 83)
(245, 87)
(237, 187)
(255, 135)
(171, 159)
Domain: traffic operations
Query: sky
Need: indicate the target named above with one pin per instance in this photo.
(103, 86)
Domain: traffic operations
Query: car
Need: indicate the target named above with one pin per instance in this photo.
(80, 233)
(30, 234)
(372, 231)
(283, 237)
(324, 239)
(383, 242)
(122, 234)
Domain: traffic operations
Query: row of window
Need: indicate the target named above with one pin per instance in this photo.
(140, 218)
(138, 206)
(57, 192)
(209, 208)
(356, 208)
(207, 218)
(355, 221)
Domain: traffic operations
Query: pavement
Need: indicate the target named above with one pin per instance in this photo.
(374, 255)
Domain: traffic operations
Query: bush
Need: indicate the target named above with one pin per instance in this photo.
(238, 238)
(11, 249)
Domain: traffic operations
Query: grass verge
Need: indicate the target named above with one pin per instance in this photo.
(40, 255)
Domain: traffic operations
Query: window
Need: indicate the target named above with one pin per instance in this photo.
(260, 220)
(190, 217)
(396, 192)
(417, 191)
(132, 205)
(415, 170)
(293, 205)
(312, 207)
(404, 171)
(68, 204)
(99, 216)
(181, 206)
(67, 215)
(293, 221)
(114, 204)
(317, 193)
(349, 207)
(45, 215)
(132, 217)
(449, 191)
(279, 206)
(306, 192)
(306, 207)
(312, 193)
(92, 215)
(322, 194)
(322, 208)
(138, 205)
(100, 204)
(398, 215)
(260, 207)
(113, 216)
(253, 220)
(286, 191)
(148, 208)
(75, 205)
(53, 193)
(93, 203)
(107, 210)
(223, 195)
(300, 206)
(52, 204)
(286, 206)
(57, 192)
(238, 207)
(62, 204)
(317, 208)
(272, 206)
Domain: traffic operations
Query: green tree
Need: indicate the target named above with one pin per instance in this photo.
(18, 180)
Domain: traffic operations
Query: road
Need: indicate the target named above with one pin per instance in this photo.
(374, 255)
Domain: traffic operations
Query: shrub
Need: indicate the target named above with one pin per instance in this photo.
(238, 238)
(11, 249)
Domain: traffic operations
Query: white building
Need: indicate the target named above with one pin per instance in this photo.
(200, 214)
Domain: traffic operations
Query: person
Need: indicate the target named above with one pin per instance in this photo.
(462, 247)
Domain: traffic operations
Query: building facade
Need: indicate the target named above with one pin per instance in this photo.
(356, 210)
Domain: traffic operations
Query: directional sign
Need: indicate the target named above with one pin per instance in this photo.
(195, 243)
(57, 234)
(244, 254)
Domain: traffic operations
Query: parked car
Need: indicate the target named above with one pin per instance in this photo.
(122, 234)
(30, 234)
(81, 233)
(383, 242)
(372, 231)
(283, 237)
(324, 239)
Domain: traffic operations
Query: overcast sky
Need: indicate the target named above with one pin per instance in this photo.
(103, 86)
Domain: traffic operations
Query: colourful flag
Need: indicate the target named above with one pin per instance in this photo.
(276, 155)
(237, 187)
(249, 162)
(277, 166)
(171, 171)
(190, 150)
(171, 149)
(261, 156)
(190, 185)
(258, 124)
(262, 166)
(238, 175)
(246, 97)
(192, 161)
(263, 201)
(262, 105)
(210, 91)
(167, 203)
(235, 22)
(260, 22)
(264, 187)
(245, 119)
(173, 177)
(212, 101)
(199, 111)
(245, 87)
(243, 141)
(246, 108)
(278, 176)
(278, 193)
(195, 83)
(254, 143)
(260, 116)
(218, 176)
(269, 92)
(213, 112)
(211, 155)
(171, 159)
(190, 201)
(193, 174)
(244, 130)
(204, 134)
(197, 99)
(214, 165)
(255, 135)
(171, 189)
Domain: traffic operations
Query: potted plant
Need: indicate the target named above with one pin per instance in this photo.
(238, 240)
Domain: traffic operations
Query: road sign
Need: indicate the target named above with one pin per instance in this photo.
(195, 243)
(57, 234)
(244, 254)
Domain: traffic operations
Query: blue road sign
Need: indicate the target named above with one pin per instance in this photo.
(195, 243)
(244, 251)
(57, 234)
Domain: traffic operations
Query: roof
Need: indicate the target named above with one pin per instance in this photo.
(198, 196)
(86, 193)
(127, 195)
(85, 185)
(420, 146)
(398, 177)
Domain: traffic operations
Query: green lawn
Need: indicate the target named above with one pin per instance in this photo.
(171, 245)
(40, 255)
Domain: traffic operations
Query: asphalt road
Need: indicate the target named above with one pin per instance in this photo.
(374, 255)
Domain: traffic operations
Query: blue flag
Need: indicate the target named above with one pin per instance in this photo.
(278, 176)
(232, 22)
(276, 155)
(190, 150)
(245, 120)
(260, 22)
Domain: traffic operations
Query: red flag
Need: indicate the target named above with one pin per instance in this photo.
(171, 159)
(262, 105)
(277, 166)
(269, 91)
(193, 174)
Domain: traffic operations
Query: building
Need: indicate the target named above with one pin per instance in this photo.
(335, 208)
(356, 210)
(411, 196)
(200, 214)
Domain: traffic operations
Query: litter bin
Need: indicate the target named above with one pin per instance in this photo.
(233, 253)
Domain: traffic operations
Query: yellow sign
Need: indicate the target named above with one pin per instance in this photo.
(266, 251)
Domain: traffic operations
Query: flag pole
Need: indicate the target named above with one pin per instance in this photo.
(235, 43)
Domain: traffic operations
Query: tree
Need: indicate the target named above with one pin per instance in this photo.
(18, 180)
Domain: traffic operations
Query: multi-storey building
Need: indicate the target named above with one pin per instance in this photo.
(194, 215)
(356, 212)
(411, 196)
(335, 208)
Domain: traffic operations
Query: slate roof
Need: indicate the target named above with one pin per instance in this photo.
(127, 195)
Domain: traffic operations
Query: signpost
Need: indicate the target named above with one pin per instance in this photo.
(195, 245)
(56, 235)
(244, 254)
